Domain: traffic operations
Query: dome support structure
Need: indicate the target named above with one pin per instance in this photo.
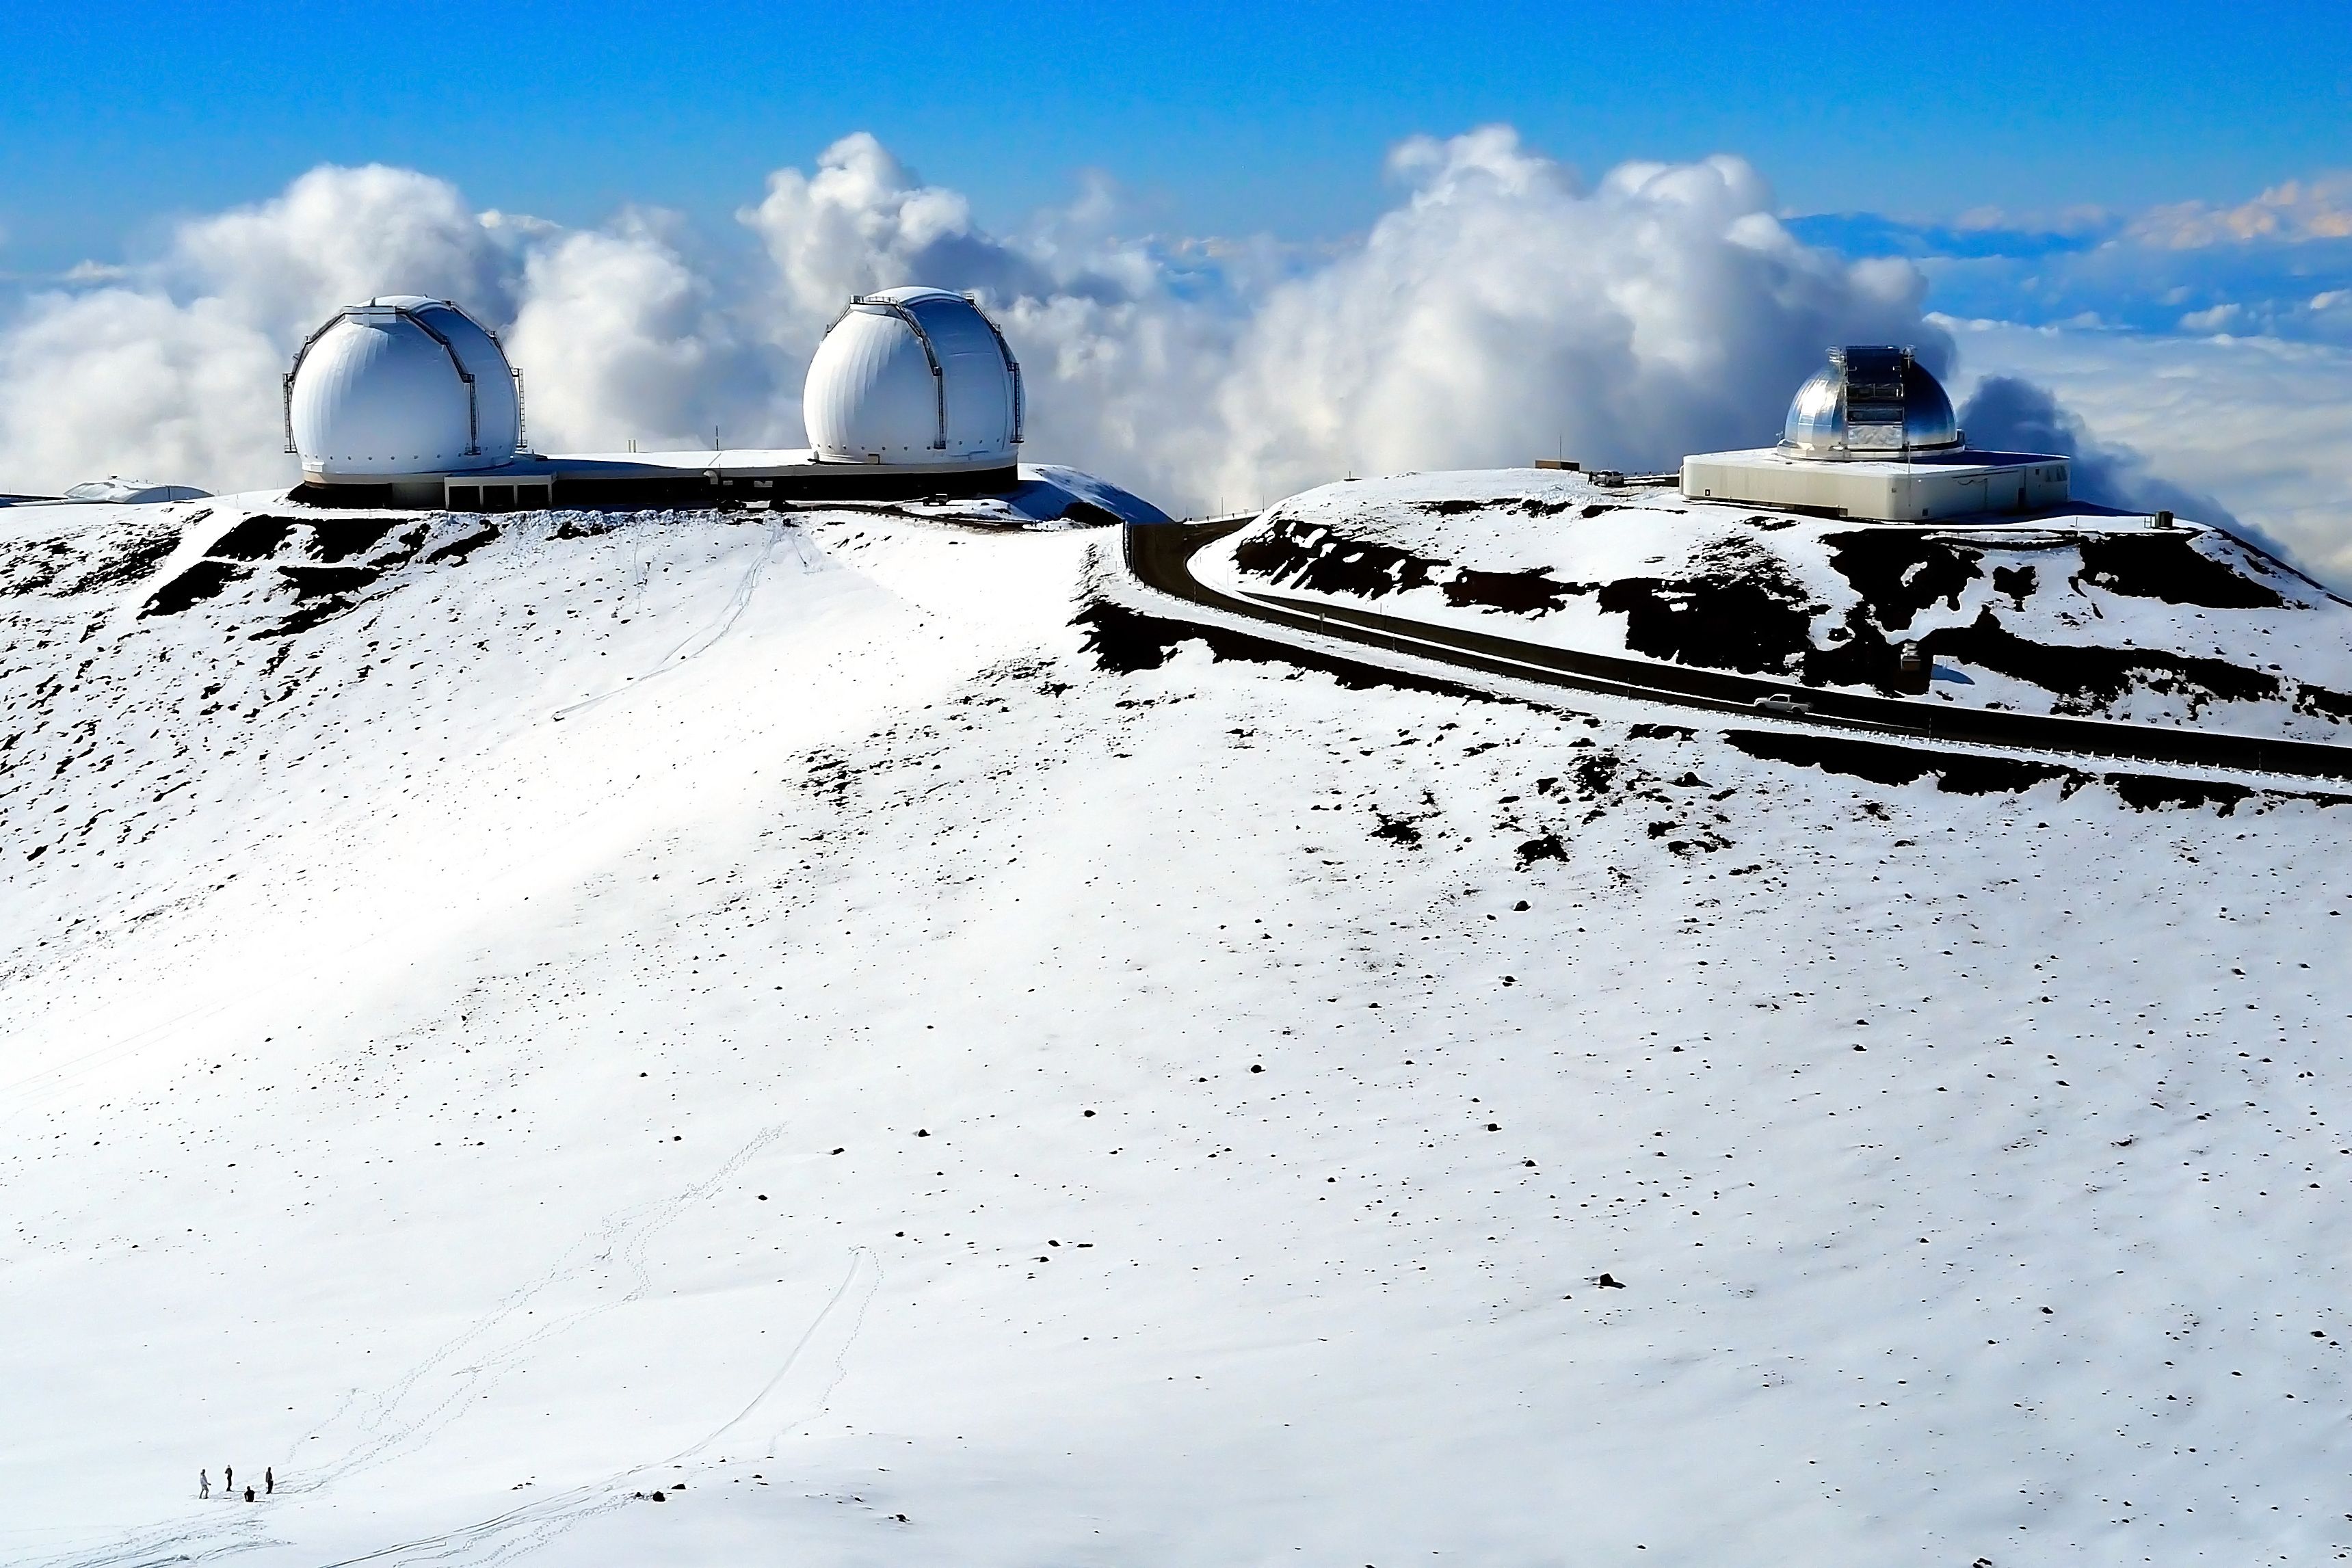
(931, 356)
(1011, 367)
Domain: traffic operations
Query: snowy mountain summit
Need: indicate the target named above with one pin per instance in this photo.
(2074, 611)
(874, 1035)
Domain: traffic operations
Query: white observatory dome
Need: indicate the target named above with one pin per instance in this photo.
(1869, 402)
(913, 376)
(401, 386)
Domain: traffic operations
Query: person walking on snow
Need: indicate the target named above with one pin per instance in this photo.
(228, 1477)
(203, 1484)
(269, 1481)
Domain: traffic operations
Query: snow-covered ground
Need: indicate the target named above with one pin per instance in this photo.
(503, 1018)
(2077, 613)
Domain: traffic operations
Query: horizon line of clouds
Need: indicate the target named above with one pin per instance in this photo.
(2278, 264)
(1503, 307)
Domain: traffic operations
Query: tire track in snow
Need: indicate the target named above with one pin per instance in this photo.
(405, 1415)
(701, 642)
(518, 1532)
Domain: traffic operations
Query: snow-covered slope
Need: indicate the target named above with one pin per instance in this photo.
(2081, 614)
(504, 1018)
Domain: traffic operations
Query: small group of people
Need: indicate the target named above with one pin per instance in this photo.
(228, 1483)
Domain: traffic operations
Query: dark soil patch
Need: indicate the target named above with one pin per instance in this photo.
(203, 580)
(1750, 616)
(1881, 764)
(457, 549)
(1124, 641)
(255, 539)
(1533, 591)
(1972, 775)
(2143, 793)
(311, 581)
(1899, 572)
(1595, 774)
(340, 538)
(1405, 830)
(1287, 556)
(590, 525)
(2017, 582)
(2334, 704)
(33, 567)
(2169, 567)
(1091, 515)
(1455, 508)
(2089, 677)
(308, 615)
(134, 560)
(1547, 848)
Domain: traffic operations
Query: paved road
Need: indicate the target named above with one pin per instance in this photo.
(1159, 556)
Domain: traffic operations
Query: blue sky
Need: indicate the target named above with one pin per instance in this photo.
(117, 118)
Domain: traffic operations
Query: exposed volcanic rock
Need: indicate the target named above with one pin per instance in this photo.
(1738, 609)
(2079, 613)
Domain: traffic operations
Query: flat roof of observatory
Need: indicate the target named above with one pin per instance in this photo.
(1894, 463)
(739, 462)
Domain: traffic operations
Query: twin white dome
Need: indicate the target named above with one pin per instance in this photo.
(408, 388)
(401, 386)
(913, 376)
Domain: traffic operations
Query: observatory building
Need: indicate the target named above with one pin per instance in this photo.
(399, 391)
(1871, 434)
(914, 378)
(408, 402)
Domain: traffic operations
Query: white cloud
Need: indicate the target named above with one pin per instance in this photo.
(2219, 318)
(1500, 310)
(862, 222)
(2294, 212)
(341, 235)
(619, 340)
(126, 382)
(2259, 423)
(171, 369)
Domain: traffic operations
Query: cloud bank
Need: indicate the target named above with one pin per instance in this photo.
(1501, 310)
(2278, 264)
(2009, 413)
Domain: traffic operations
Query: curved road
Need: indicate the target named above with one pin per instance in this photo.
(1159, 556)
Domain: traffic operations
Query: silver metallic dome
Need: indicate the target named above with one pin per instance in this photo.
(1869, 402)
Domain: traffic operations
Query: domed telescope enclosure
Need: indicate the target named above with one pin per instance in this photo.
(399, 391)
(1869, 403)
(410, 402)
(914, 378)
(1871, 434)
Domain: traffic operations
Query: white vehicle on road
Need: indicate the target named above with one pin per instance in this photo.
(1781, 702)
